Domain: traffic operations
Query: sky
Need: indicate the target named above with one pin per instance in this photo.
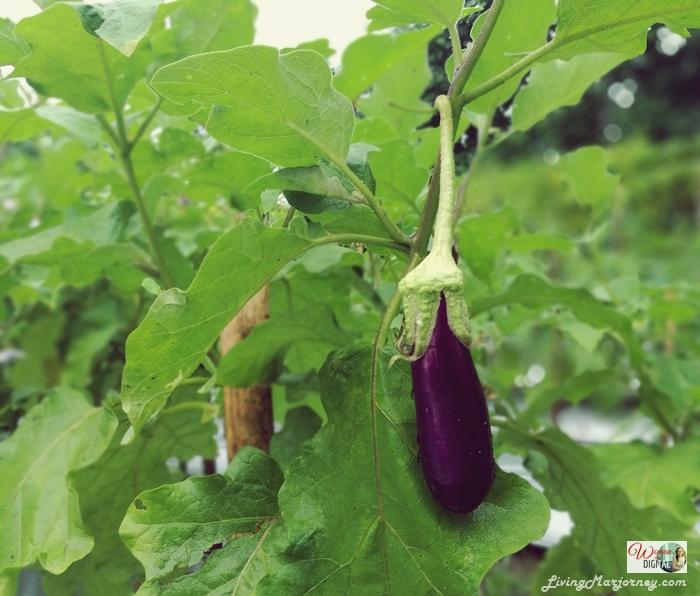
(280, 23)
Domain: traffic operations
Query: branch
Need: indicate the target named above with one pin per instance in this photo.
(145, 123)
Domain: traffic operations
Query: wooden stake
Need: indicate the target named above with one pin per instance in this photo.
(247, 412)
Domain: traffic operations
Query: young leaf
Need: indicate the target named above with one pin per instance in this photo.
(121, 23)
(107, 487)
(181, 325)
(279, 107)
(12, 47)
(187, 518)
(369, 58)
(396, 13)
(39, 510)
(357, 505)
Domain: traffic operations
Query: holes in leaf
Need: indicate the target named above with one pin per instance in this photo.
(140, 505)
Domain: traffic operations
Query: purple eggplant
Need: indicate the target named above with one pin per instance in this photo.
(454, 434)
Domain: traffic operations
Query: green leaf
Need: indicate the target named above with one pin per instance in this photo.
(399, 179)
(651, 476)
(587, 171)
(83, 127)
(396, 13)
(300, 425)
(357, 219)
(39, 510)
(22, 124)
(66, 61)
(532, 242)
(322, 46)
(181, 325)
(482, 237)
(572, 389)
(307, 189)
(101, 227)
(534, 292)
(227, 174)
(258, 358)
(558, 83)
(512, 38)
(121, 23)
(199, 26)
(358, 505)
(620, 26)
(279, 107)
(12, 47)
(604, 520)
(369, 58)
(168, 528)
(107, 487)
(673, 310)
(396, 96)
(678, 379)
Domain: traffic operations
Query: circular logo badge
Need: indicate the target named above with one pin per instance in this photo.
(672, 557)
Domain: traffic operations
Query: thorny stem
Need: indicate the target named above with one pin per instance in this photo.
(121, 139)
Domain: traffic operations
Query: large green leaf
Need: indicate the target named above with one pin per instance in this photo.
(358, 505)
(182, 325)
(258, 358)
(107, 487)
(168, 528)
(279, 107)
(67, 62)
(395, 13)
(12, 48)
(300, 425)
(535, 292)
(512, 37)
(651, 476)
(39, 509)
(604, 518)
(121, 23)
(558, 83)
(369, 58)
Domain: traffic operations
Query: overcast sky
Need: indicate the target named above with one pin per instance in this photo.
(280, 23)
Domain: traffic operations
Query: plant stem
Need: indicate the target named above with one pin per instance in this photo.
(391, 228)
(121, 139)
(465, 71)
(358, 239)
(145, 123)
(456, 46)
(392, 309)
(288, 218)
(393, 104)
(442, 243)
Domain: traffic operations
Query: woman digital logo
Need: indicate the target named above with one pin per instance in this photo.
(655, 556)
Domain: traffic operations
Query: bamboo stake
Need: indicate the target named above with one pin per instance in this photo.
(247, 412)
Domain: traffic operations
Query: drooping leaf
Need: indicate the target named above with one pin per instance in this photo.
(396, 13)
(604, 518)
(279, 107)
(481, 239)
(534, 292)
(358, 506)
(12, 47)
(369, 58)
(66, 61)
(181, 325)
(39, 509)
(256, 359)
(652, 476)
(121, 23)
(168, 528)
(558, 83)
(300, 425)
(107, 487)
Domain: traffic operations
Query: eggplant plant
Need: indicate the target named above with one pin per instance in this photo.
(159, 169)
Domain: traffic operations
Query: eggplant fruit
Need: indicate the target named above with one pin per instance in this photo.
(454, 434)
